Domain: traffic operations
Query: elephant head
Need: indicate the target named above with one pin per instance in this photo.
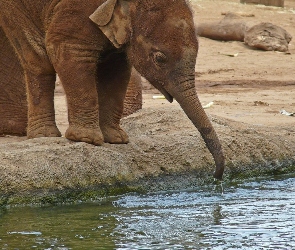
(160, 41)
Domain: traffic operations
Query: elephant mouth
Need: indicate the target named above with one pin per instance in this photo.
(167, 95)
(160, 86)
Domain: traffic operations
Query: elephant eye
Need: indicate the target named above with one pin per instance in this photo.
(159, 58)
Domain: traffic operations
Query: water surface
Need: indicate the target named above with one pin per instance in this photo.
(253, 214)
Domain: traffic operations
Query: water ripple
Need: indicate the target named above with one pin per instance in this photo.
(252, 214)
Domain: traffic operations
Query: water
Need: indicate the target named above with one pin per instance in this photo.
(253, 214)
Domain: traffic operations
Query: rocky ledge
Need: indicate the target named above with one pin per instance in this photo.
(165, 152)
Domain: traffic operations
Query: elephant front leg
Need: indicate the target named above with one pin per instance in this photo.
(39, 74)
(113, 77)
(41, 115)
(78, 77)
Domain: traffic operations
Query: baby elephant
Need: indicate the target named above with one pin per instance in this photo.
(92, 45)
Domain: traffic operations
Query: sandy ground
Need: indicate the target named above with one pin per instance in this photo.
(255, 85)
(247, 90)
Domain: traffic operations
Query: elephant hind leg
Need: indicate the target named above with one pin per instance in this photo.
(13, 102)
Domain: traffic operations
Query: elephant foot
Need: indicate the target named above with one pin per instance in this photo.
(13, 128)
(45, 131)
(115, 135)
(91, 136)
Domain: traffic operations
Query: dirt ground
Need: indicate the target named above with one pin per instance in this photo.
(248, 89)
(255, 85)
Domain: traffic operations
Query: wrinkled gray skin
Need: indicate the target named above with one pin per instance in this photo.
(93, 58)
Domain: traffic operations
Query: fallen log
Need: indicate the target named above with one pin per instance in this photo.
(264, 36)
(278, 3)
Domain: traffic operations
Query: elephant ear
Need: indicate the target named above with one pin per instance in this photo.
(113, 19)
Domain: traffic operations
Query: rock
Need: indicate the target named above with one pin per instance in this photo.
(165, 152)
(267, 36)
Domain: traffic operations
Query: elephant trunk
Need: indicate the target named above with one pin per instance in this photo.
(185, 94)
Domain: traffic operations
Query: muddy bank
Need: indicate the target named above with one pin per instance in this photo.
(50, 170)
